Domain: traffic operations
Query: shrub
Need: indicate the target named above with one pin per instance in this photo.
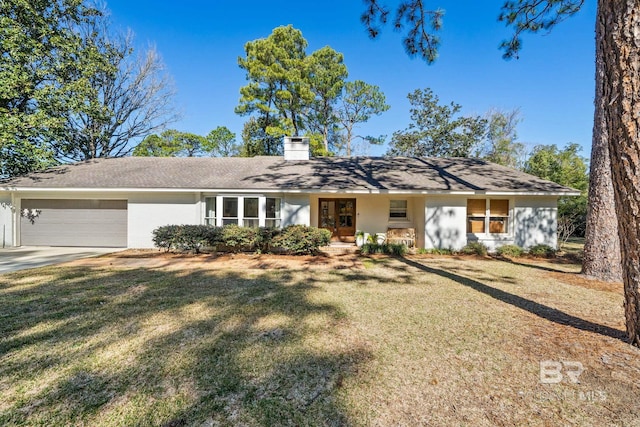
(474, 248)
(397, 249)
(436, 251)
(164, 237)
(371, 248)
(510, 250)
(542, 251)
(185, 237)
(301, 240)
(238, 239)
(264, 237)
(385, 248)
(295, 239)
(193, 237)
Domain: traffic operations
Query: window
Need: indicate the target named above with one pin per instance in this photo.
(495, 218)
(476, 214)
(250, 217)
(273, 212)
(251, 211)
(210, 211)
(229, 210)
(398, 209)
(499, 216)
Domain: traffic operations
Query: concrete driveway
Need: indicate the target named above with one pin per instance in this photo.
(14, 259)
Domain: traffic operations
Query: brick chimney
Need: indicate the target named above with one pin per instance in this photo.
(296, 148)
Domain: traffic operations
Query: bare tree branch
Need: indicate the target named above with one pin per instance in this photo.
(130, 96)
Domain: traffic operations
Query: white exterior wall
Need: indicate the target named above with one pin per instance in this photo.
(536, 221)
(372, 214)
(445, 222)
(149, 211)
(440, 220)
(296, 210)
(6, 221)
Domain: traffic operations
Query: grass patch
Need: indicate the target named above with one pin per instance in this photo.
(403, 341)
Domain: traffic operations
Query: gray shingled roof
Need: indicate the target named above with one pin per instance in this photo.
(274, 173)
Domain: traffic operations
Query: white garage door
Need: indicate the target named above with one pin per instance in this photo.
(98, 223)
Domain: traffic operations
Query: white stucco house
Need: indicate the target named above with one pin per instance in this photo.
(119, 202)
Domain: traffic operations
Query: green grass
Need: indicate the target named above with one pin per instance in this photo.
(400, 342)
(574, 247)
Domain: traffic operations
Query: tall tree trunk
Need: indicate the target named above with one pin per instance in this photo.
(602, 245)
(619, 22)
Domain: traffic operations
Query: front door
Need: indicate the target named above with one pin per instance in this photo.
(339, 217)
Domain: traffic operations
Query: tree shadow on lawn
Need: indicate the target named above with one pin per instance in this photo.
(187, 348)
(541, 310)
(535, 263)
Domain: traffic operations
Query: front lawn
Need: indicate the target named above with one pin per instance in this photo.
(375, 341)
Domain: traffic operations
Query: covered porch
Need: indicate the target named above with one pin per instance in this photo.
(345, 214)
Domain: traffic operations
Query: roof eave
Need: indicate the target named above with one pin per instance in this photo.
(290, 190)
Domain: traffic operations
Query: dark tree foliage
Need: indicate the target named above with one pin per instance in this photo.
(437, 130)
(533, 16)
(420, 22)
(37, 42)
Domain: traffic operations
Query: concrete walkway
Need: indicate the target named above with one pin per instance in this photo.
(14, 259)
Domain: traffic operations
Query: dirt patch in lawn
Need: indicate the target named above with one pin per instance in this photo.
(584, 282)
(137, 258)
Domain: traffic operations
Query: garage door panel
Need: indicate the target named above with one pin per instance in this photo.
(73, 204)
(80, 216)
(75, 223)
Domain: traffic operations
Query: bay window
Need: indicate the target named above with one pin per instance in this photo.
(250, 214)
(229, 210)
(248, 211)
(272, 212)
(210, 211)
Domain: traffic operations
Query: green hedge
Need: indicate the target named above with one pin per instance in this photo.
(474, 248)
(300, 239)
(510, 251)
(542, 251)
(294, 239)
(385, 248)
(190, 238)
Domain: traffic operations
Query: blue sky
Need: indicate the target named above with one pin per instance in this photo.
(552, 83)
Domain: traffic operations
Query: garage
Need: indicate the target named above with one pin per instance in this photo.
(75, 222)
